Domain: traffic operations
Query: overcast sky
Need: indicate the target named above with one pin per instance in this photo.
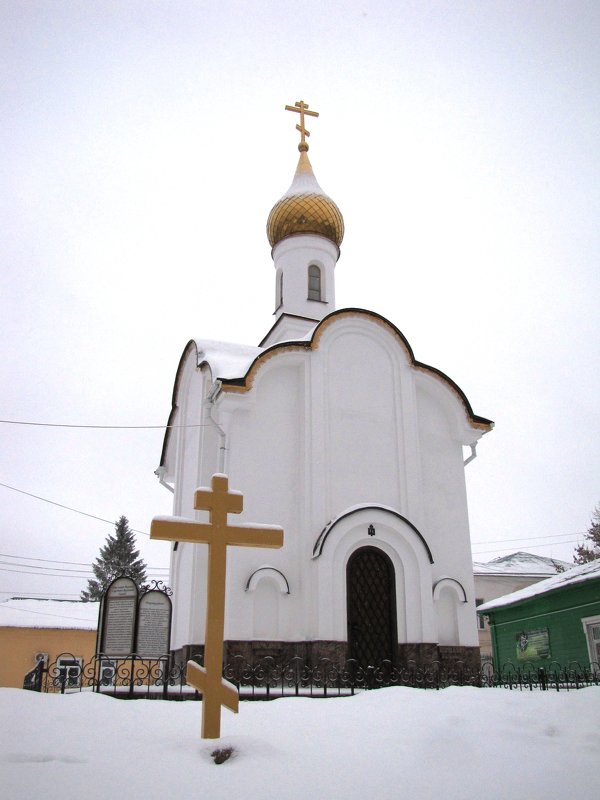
(142, 147)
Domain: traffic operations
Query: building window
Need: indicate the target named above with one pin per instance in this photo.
(591, 628)
(278, 289)
(314, 282)
(68, 671)
(480, 617)
(108, 672)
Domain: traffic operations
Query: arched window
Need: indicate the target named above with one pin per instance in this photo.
(314, 282)
(278, 289)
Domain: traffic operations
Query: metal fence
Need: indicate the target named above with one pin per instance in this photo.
(129, 677)
(135, 677)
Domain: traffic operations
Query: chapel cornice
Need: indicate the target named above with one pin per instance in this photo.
(245, 383)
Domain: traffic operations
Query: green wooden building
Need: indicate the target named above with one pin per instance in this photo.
(555, 620)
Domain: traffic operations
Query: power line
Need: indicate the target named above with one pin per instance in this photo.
(68, 508)
(525, 539)
(501, 542)
(45, 613)
(52, 561)
(530, 547)
(44, 575)
(87, 572)
(101, 427)
(36, 595)
(533, 538)
(61, 575)
(34, 566)
(47, 560)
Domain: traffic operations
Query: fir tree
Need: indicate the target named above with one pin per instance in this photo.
(583, 554)
(118, 557)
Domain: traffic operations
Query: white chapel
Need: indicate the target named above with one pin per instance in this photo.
(330, 428)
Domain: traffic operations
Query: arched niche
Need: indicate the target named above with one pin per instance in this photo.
(446, 614)
(271, 573)
(266, 585)
(451, 583)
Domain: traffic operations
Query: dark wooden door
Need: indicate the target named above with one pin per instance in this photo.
(371, 597)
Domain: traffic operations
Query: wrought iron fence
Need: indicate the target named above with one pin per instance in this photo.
(129, 677)
(265, 679)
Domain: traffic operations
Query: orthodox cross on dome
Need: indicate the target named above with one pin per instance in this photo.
(302, 108)
(219, 501)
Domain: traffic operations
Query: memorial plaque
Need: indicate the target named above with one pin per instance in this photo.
(533, 645)
(154, 625)
(119, 614)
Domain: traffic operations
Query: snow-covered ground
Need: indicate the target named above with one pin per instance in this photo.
(458, 743)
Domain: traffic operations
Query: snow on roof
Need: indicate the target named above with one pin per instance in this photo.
(226, 359)
(521, 564)
(579, 574)
(29, 613)
(230, 360)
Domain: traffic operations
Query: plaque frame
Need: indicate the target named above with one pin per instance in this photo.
(103, 642)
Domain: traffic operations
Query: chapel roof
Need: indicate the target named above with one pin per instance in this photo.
(305, 208)
(235, 365)
(227, 360)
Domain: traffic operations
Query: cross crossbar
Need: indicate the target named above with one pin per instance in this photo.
(302, 108)
(181, 529)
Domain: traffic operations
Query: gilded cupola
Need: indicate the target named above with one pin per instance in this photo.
(305, 208)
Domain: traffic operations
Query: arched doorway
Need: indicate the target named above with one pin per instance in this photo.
(371, 600)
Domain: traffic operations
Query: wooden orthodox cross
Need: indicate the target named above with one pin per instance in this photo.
(217, 534)
(302, 108)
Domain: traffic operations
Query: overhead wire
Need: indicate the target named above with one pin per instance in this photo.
(36, 595)
(529, 547)
(101, 427)
(66, 577)
(62, 575)
(525, 540)
(44, 613)
(68, 508)
(532, 538)
(53, 561)
(185, 425)
(55, 569)
(86, 571)
(59, 571)
(45, 575)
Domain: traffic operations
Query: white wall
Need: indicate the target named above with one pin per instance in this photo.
(350, 421)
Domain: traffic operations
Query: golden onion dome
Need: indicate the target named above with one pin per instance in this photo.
(305, 208)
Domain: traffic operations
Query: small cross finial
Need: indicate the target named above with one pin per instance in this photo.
(302, 108)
